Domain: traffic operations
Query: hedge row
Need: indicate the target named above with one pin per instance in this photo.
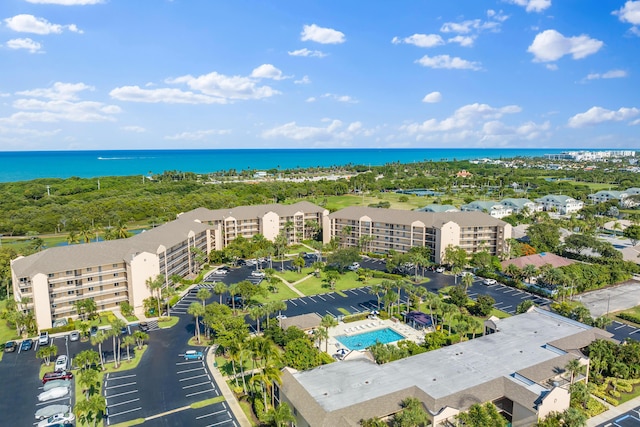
(629, 317)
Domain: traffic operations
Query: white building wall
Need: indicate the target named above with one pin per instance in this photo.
(270, 225)
(448, 234)
(143, 266)
(42, 304)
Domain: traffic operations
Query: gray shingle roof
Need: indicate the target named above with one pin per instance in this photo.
(250, 212)
(430, 219)
(64, 258)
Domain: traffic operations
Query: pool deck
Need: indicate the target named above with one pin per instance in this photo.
(368, 325)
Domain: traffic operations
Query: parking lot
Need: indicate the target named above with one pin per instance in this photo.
(122, 395)
(195, 379)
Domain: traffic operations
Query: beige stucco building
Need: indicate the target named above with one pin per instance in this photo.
(519, 365)
(110, 272)
(381, 230)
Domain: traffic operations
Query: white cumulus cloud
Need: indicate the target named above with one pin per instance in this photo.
(307, 52)
(267, 71)
(432, 97)
(305, 80)
(596, 115)
(334, 131)
(612, 74)
(532, 5)
(340, 98)
(136, 129)
(26, 43)
(420, 40)
(464, 41)
(67, 2)
(321, 35)
(630, 13)
(162, 95)
(59, 91)
(197, 135)
(448, 62)
(226, 87)
(550, 45)
(25, 23)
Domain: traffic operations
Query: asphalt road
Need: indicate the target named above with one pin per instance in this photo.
(628, 419)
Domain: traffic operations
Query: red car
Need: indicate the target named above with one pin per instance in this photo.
(62, 375)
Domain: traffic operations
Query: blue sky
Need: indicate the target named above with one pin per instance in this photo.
(152, 74)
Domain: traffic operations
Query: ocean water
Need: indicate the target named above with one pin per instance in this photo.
(28, 165)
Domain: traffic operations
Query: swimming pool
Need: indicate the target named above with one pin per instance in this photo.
(367, 339)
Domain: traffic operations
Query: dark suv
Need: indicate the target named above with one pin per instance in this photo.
(61, 375)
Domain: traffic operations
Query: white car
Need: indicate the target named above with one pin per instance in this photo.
(56, 383)
(440, 270)
(221, 272)
(257, 273)
(61, 363)
(489, 281)
(54, 393)
(354, 266)
(58, 419)
(50, 410)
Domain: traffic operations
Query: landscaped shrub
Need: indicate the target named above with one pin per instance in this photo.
(66, 328)
(595, 407)
(629, 317)
(174, 300)
(355, 317)
(388, 276)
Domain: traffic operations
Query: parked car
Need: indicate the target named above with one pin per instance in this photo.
(26, 344)
(354, 266)
(257, 273)
(52, 376)
(50, 410)
(10, 346)
(440, 270)
(124, 330)
(74, 336)
(489, 281)
(56, 383)
(143, 326)
(193, 355)
(58, 419)
(61, 363)
(220, 271)
(54, 393)
(93, 331)
(44, 338)
(237, 300)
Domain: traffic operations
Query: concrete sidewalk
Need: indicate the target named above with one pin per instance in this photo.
(613, 413)
(225, 390)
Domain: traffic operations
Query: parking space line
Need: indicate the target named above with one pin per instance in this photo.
(498, 303)
(220, 422)
(211, 414)
(190, 378)
(121, 394)
(525, 296)
(320, 296)
(188, 362)
(200, 392)
(294, 304)
(120, 385)
(505, 307)
(119, 378)
(355, 309)
(330, 295)
(311, 298)
(620, 327)
(123, 403)
(49, 402)
(190, 370)
(124, 412)
(196, 385)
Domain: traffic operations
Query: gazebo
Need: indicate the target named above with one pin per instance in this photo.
(418, 320)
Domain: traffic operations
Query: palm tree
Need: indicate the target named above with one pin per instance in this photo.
(327, 322)
(378, 290)
(156, 285)
(203, 295)
(467, 280)
(574, 367)
(280, 416)
(255, 313)
(529, 271)
(72, 237)
(196, 310)
(88, 379)
(220, 288)
(91, 410)
(98, 339)
(513, 271)
(128, 341)
(140, 338)
(114, 332)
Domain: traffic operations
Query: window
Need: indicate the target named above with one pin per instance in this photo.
(50, 275)
(115, 274)
(90, 289)
(117, 293)
(89, 279)
(69, 282)
(89, 269)
(68, 272)
(71, 292)
(115, 265)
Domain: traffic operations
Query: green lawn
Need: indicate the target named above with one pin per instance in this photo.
(6, 333)
(294, 276)
(349, 280)
(284, 293)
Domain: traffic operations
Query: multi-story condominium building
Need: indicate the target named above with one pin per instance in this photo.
(383, 230)
(621, 196)
(521, 205)
(495, 209)
(561, 204)
(298, 221)
(518, 365)
(51, 281)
